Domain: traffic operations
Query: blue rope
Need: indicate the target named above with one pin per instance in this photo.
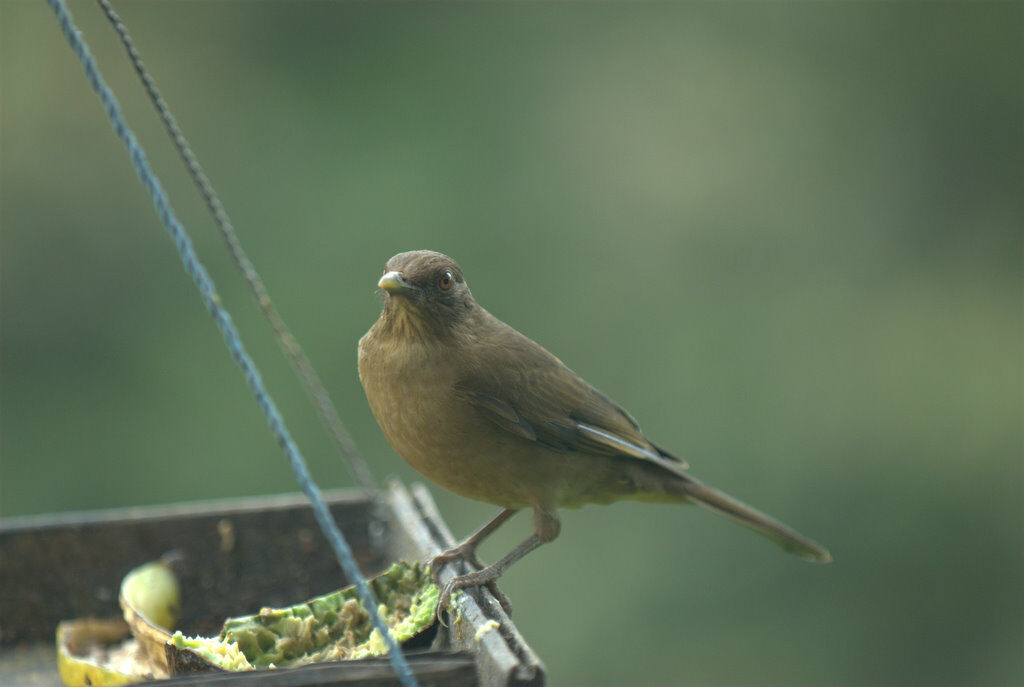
(285, 339)
(211, 300)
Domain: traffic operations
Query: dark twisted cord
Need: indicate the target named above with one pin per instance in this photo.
(211, 300)
(289, 345)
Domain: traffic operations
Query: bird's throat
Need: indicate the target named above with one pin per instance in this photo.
(402, 319)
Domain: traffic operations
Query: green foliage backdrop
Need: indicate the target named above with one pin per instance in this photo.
(786, 236)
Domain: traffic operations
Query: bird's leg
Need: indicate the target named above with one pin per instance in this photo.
(546, 527)
(466, 549)
(487, 576)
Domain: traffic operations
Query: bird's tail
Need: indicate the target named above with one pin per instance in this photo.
(788, 539)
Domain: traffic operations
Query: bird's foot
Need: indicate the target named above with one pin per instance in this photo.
(480, 578)
(465, 551)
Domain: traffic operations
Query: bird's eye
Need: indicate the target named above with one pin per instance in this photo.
(445, 281)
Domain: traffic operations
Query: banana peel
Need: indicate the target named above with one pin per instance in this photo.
(150, 601)
(93, 651)
(115, 652)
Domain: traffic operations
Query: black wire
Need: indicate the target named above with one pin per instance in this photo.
(289, 345)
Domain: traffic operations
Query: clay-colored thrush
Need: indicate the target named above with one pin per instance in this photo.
(485, 412)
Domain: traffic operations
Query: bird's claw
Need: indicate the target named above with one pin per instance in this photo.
(464, 551)
(485, 578)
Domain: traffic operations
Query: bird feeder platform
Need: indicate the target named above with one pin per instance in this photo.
(242, 555)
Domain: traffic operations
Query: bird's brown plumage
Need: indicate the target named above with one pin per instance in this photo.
(484, 411)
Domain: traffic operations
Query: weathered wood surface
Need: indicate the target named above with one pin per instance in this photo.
(436, 669)
(502, 655)
(239, 555)
(35, 667)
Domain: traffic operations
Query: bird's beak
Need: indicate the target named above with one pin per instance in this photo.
(392, 282)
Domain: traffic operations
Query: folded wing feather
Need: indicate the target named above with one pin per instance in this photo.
(539, 399)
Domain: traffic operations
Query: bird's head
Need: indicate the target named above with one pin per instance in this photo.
(425, 291)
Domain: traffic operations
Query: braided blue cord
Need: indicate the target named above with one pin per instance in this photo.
(211, 300)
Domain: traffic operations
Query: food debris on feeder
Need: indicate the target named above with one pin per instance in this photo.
(68, 565)
(327, 628)
(93, 651)
(331, 627)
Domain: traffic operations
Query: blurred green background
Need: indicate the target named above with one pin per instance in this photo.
(786, 236)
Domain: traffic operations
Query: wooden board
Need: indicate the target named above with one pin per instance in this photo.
(239, 555)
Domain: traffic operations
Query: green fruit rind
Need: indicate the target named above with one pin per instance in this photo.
(334, 626)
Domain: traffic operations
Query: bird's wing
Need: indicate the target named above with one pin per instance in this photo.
(525, 390)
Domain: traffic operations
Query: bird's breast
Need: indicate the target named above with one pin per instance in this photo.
(406, 386)
(411, 391)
